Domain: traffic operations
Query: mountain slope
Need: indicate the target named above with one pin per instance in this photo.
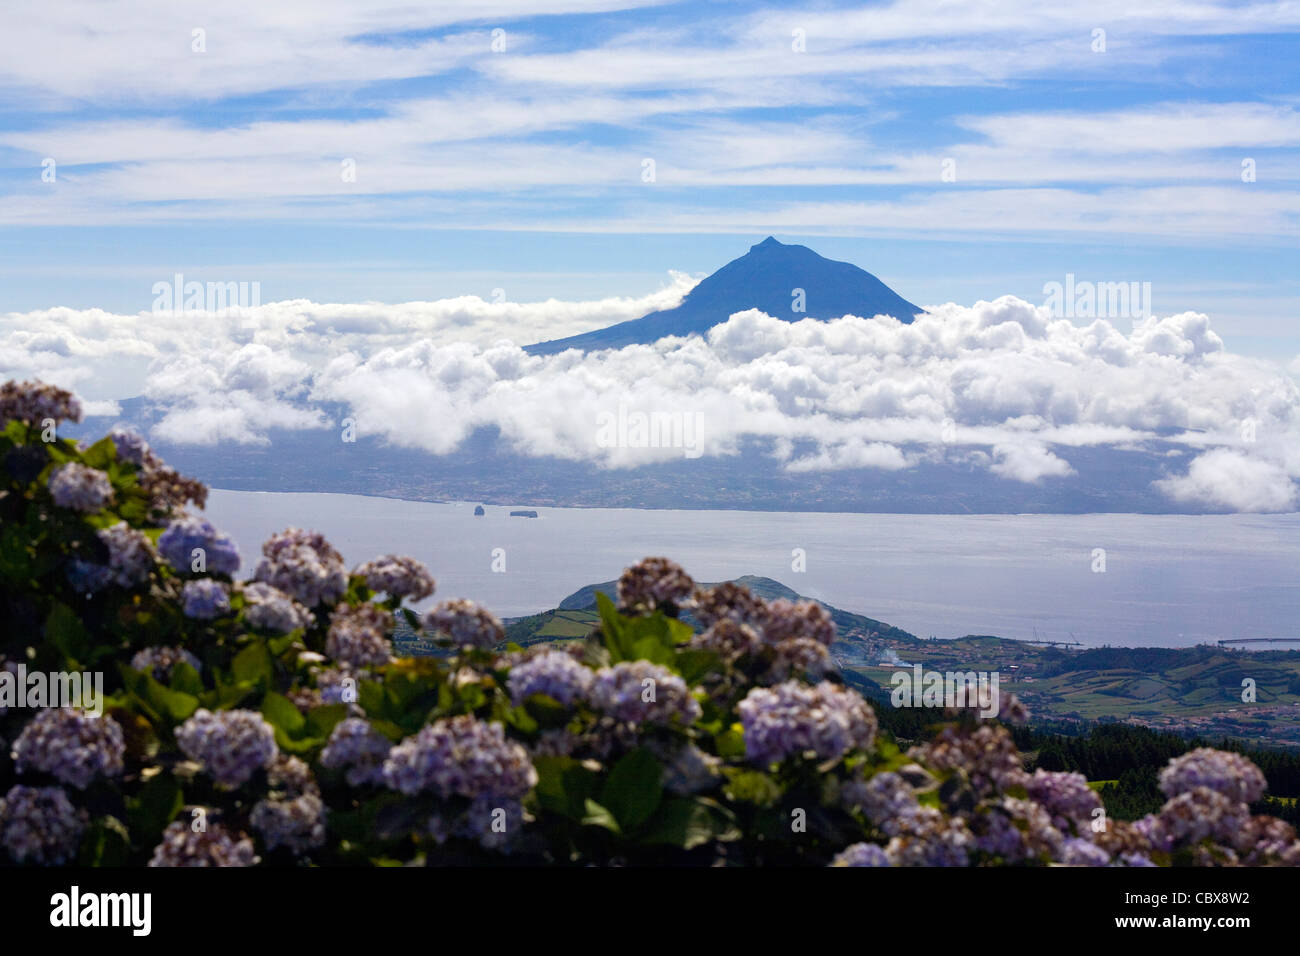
(764, 278)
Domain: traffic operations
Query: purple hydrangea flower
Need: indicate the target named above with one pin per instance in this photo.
(131, 446)
(729, 638)
(71, 746)
(79, 488)
(460, 756)
(553, 673)
(1076, 851)
(131, 559)
(293, 815)
(213, 846)
(190, 533)
(398, 576)
(36, 401)
(1017, 831)
(131, 554)
(652, 583)
(641, 692)
(787, 620)
(159, 661)
(204, 599)
(1202, 814)
(465, 623)
(359, 635)
(987, 756)
(933, 841)
(360, 748)
(1066, 796)
(231, 744)
(887, 800)
(303, 565)
(1227, 773)
(270, 609)
(791, 718)
(40, 825)
(862, 854)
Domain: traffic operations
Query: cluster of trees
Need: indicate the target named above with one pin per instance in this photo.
(1132, 757)
(1128, 757)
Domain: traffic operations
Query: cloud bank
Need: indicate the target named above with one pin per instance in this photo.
(1002, 384)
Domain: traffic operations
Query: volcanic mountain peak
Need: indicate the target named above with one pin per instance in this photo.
(774, 277)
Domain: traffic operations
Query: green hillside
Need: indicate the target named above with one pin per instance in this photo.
(1192, 690)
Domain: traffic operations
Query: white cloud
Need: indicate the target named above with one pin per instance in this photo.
(76, 346)
(1233, 480)
(1028, 462)
(552, 133)
(852, 453)
(1004, 384)
(137, 51)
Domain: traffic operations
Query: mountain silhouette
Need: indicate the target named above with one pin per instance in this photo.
(764, 278)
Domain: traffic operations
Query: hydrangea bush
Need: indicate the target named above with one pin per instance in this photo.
(268, 721)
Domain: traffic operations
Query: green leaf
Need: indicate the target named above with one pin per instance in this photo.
(156, 805)
(370, 695)
(563, 786)
(65, 631)
(679, 632)
(403, 690)
(281, 713)
(731, 742)
(100, 455)
(15, 559)
(682, 823)
(753, 786)
(106, 843)
(518, 718)
(253, 664)
(136, 686)
(133, 511)
(652, 648)
(231, 695)
(321, 720)
(595, 815)
(693, 664)
(546, 710)
(173, 705)
(278, 645)
(388, 729)
(611, 627)
(633, 789)
(186, 679)
(654, 638)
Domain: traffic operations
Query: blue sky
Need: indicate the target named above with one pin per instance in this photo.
(522, 168)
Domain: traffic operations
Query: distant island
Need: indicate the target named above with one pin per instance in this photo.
(761, 279)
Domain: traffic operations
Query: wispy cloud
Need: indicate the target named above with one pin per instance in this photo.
(554, 128)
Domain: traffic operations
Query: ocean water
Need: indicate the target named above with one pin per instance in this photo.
(1168, 580)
